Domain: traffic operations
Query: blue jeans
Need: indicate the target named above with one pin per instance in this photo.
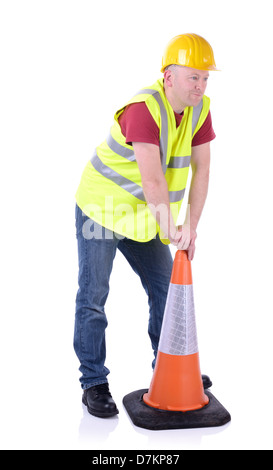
(152, 261)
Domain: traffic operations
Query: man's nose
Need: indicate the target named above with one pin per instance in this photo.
(198, 87)
(201, 85)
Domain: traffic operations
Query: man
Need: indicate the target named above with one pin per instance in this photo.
(130, 196)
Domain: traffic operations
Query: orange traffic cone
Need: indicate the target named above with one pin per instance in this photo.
(176, 397)
(177, 382)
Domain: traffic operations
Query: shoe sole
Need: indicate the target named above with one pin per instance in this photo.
(96, 413)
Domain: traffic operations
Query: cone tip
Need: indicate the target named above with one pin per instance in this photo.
(181, 273)
(182, 254)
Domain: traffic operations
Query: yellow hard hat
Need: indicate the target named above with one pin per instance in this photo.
(189, 50)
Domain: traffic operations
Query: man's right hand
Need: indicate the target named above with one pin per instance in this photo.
(184, 239)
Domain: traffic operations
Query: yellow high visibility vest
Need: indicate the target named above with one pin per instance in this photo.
(110, 191)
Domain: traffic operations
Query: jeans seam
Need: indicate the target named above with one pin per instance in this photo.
(85, 292)
(144, 275)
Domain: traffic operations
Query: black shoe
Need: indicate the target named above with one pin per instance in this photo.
(99, 401)
(207, 383)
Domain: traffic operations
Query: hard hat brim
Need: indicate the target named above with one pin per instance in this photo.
(210, 68)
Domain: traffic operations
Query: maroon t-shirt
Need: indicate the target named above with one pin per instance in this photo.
(138, 125)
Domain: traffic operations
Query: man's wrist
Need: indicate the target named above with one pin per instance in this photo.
(172, 234)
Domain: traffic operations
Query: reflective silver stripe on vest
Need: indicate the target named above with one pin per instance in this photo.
(164, 125)
(179, 162)
(120, 180)
(129, 154)
(176, 196)
(196, 114)
(126, 184)
(175, 162)
(119, 149)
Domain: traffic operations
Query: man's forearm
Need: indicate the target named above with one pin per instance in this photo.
(155, 186)
(197, 197)
(157, 198)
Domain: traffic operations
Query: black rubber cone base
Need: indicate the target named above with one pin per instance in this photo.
(144, 416)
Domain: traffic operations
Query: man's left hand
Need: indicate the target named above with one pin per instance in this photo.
(186, 240)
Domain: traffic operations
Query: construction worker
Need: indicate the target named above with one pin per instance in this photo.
(129, 198)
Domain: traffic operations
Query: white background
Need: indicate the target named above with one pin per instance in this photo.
(66, 66)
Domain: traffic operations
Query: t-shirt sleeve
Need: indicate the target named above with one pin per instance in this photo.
(205, 133)
(138, 125)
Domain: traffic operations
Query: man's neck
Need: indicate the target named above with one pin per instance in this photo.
(177, 107)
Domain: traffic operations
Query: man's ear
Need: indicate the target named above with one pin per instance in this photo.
(168, 77)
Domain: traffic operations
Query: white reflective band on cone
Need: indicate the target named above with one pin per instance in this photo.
(178, 332)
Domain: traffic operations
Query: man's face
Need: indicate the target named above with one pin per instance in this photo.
(188, 86)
